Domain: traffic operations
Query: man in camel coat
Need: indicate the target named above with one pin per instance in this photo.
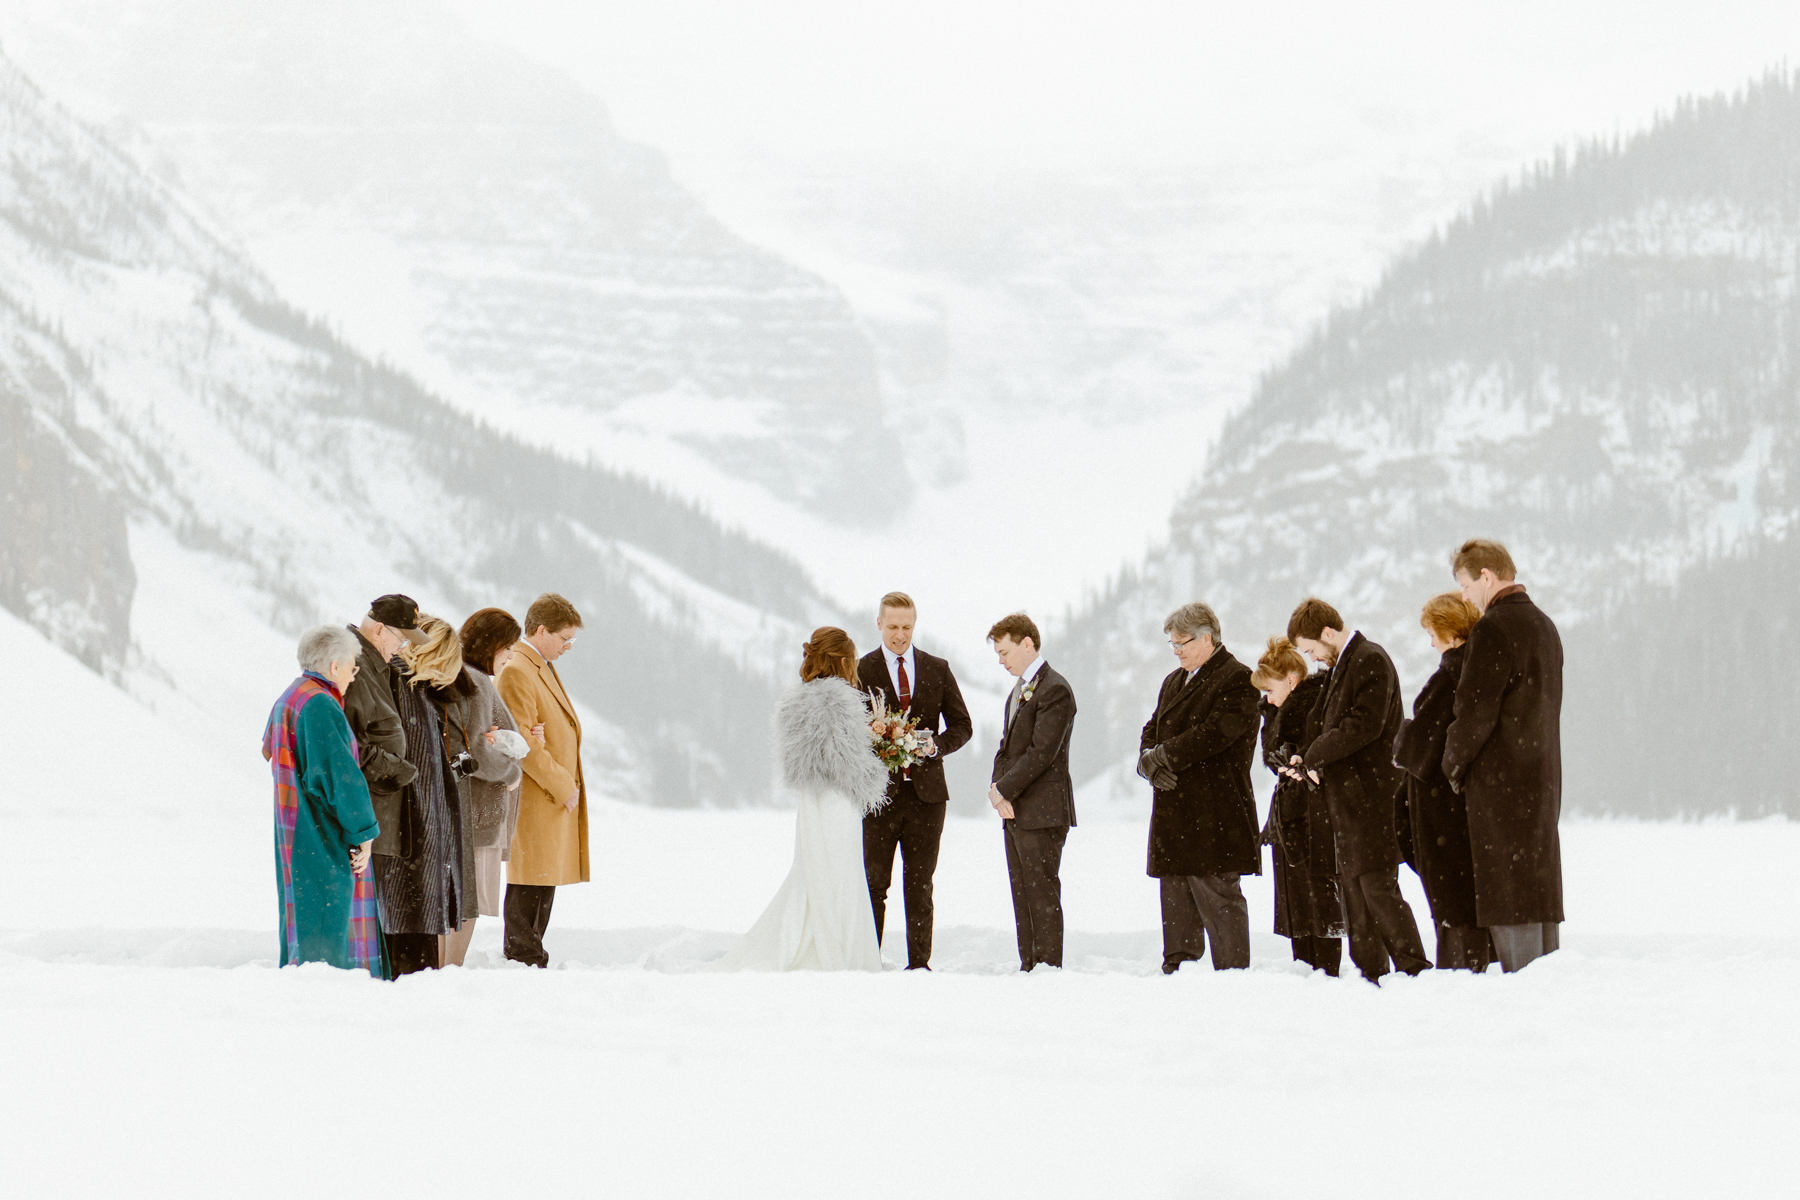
(550, 846)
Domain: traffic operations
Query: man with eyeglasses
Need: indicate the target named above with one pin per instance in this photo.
(550, 845)
(1196, 751)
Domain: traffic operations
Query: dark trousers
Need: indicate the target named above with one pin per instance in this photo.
(916, 827)
(409, 952)
(1033, 858)
(1195, 906)
(1321, 953)
(1463, 948)
(526, 911)
(1517, 945)
(1380, 923)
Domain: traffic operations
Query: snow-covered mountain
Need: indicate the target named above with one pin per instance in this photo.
(195, 469)
(475, 216)
(1597, 365)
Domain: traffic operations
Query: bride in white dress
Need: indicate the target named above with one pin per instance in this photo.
(821, 918)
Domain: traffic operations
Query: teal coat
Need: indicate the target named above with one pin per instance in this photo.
(322, 811)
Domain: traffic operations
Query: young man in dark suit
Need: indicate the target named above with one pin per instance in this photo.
(1032, 790)
(1503, 754)
(1352, 761)
(913, 819)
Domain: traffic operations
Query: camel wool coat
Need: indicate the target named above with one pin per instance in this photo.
(550, 845)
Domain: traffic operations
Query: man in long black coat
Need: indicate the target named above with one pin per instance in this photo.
(1503, 753)
(371, 707)
(1196, 751)
(913, 819)
(1352, 760)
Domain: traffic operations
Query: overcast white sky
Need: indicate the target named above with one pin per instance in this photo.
(1135, 81)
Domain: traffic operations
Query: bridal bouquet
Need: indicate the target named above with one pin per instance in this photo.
(896, 737)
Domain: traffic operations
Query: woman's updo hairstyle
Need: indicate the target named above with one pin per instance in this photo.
(830, 654)
(1280, 661)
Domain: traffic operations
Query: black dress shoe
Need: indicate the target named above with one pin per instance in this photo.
(1172, 965)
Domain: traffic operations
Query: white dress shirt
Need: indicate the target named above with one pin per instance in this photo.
(912, 669)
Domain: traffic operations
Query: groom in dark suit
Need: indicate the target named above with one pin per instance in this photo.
(1032, 790)
(913, 819)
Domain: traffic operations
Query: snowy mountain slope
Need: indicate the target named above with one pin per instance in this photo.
(66, 563)
(1107, 315)
(169, 412)
(550, 269)
(1596, 366)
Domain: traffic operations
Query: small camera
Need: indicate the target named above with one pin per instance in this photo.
(464, 764)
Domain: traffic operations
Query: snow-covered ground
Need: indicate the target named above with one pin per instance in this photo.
(150, 1047)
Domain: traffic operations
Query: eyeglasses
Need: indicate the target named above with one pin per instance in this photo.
(1180, 645)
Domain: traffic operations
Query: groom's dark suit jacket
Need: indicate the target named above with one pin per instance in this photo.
(1031, 768)
(937, 703)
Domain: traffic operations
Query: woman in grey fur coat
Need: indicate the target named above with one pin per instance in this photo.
(821, 919)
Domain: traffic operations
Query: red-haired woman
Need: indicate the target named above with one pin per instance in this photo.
(1438, 818)
(821, 918)
(1308, 911)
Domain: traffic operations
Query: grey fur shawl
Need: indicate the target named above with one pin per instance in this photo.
(822, 728)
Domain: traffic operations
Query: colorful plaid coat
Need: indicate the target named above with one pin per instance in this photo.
(322, 810)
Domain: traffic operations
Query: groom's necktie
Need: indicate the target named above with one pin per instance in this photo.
(905, 686)
(1012, 699)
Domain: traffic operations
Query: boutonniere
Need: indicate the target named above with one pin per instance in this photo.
(1026, 692)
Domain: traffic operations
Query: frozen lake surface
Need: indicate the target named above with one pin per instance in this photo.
(153, 1049)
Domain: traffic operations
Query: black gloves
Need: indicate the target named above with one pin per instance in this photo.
(1153, 764)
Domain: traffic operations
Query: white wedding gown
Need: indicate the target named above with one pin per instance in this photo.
(820, 919)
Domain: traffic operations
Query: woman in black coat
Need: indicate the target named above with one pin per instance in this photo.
(1308, 910)
(421, 898)
(1436, 817)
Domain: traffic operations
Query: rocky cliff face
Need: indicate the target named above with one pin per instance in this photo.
(157, 392)
(1596, 366)
(65, 564)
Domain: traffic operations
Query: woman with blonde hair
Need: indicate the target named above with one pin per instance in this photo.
(1436, 817)
(820, 918)
(422, 897)
(1308, 911)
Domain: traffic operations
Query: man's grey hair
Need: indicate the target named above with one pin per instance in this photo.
(1194, 620)
(321, 647)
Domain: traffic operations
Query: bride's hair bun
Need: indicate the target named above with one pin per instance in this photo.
(830, 654)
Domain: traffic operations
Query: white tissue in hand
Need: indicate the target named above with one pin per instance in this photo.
(511, 744)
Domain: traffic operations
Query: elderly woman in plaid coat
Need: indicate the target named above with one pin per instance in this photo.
(324, 822)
